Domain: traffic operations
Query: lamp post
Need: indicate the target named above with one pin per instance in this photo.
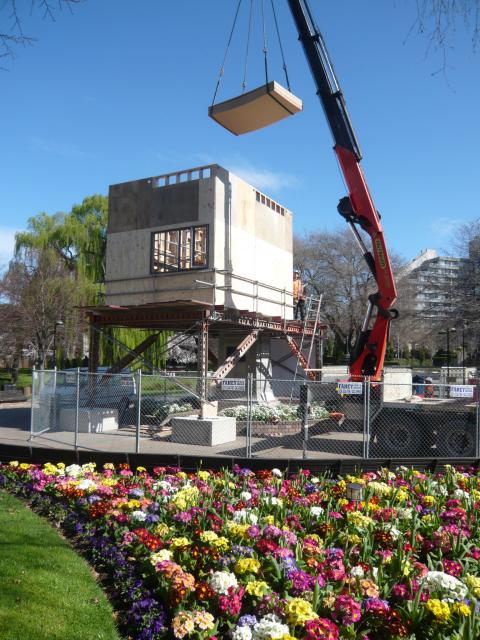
(447, 332)
(58, 323)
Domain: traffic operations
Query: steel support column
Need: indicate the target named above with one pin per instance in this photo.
(202, 359)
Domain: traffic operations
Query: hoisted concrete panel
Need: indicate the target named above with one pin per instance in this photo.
(256, 109)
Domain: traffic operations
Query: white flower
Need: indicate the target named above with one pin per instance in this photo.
(221, 581)
(160, 556)
(452, 588)
(277, 473)
(73, 470)
(246, 495)
(316, 511)
(404, 513)
(245, 516)
(86, 484)
(357, 572)
(270, 627)
(273, 501)
(242, 633)
(139, 515)
(459, 494)
(393, 531)
(164, 485)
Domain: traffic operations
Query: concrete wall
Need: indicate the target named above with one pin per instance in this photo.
(249, 235)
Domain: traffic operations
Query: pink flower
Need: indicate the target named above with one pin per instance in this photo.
(321, 629)
(231, 603)
(347, 610)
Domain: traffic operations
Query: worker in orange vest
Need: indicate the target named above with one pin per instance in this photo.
(298, 297)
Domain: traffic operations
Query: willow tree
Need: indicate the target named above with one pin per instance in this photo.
(79, 238)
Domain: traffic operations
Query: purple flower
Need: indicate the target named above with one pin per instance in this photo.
(247, 621)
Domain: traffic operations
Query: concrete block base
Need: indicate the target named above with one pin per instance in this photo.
(92, 420)
(207, 431)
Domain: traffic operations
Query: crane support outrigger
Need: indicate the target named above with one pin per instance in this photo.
(357, 208)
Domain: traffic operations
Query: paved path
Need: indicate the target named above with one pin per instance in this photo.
(15, 430)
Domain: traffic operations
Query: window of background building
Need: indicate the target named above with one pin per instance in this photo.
(180, 249)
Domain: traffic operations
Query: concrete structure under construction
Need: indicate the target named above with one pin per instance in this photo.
(203, 253)
(201, 234)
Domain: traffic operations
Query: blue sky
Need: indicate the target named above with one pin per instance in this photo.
(120, 90)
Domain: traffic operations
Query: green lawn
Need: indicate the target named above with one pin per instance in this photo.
(47, 591)
(24, 378)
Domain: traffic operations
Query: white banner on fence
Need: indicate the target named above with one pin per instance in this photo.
(233, 384)
(461, 390)
(350, 388)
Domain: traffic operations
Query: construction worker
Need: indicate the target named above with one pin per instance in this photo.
(298, 297)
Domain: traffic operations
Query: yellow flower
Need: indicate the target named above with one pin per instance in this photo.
(221, 544)
(131, 505)
(268, 519)
(354, 479)
(109, 466)
(342, 502)
(299, 611)
(182, 474)
(160, 556)
(13, 463)
(180, 543)
(439, 609)
(428, 501)
(461, 609)
(247, 565)
(257, 588)
(401, 496)
(473, 583)
(141, 469)
(208, 536)
(183, 624)
(24, 466)
(238, 530)
(109, 482)
(349, 538)
(329, 601)
(406, 568)
(203, 475)
(358, 519)
(161, 529)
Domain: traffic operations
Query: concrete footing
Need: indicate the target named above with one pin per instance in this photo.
(206, 431)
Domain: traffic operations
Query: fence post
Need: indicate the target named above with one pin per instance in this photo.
(138, 377)
(366, 418)
(34, 375)
(248, 435)
(304, 410)
(477, 422)
(77, 410)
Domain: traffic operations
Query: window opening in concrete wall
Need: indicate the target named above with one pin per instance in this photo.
(180, 249)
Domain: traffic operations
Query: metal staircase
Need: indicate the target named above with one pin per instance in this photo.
(232, 360)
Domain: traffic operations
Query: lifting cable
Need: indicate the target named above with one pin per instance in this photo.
(280, 45)
(265, 46)
(265, 49)
(244, 83)
(222, 68)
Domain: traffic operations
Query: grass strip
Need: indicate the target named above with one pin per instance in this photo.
(47, 591)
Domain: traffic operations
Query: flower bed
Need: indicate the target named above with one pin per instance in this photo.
(275, 420)
(256, 556)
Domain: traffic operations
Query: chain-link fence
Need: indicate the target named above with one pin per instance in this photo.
(254, 417)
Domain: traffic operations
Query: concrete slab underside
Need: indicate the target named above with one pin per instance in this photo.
(15, 430)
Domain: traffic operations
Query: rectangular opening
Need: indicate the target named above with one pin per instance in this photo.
(180, 249)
